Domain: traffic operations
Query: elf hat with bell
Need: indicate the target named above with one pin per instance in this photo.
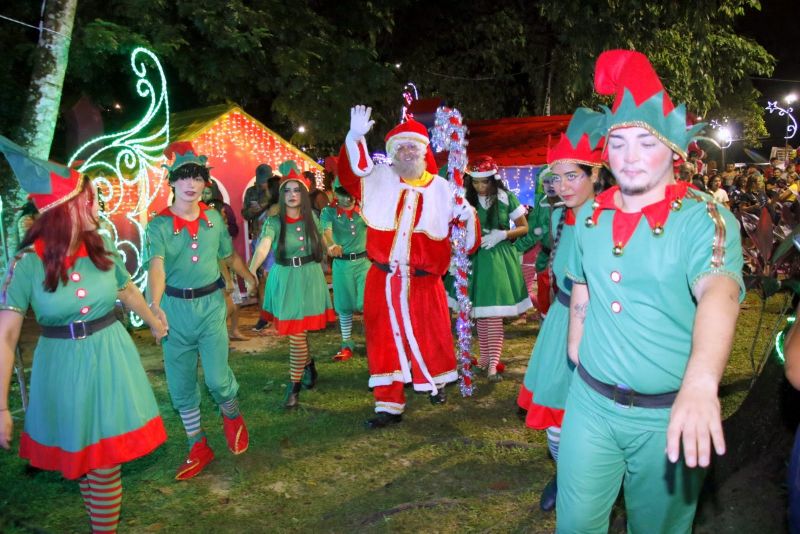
(640, 99)
(412, 131)
(582, 144)
(482, 167)
(183, 153)
(48, 184)
(291, 173)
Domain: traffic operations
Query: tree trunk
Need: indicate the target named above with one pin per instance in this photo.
(44, 94)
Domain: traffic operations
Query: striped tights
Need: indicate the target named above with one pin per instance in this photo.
(553, 440)
(298, 355)
(346, 326)
(101, 490)
(490, 341)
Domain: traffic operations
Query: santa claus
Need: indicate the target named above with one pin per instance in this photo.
(408, 210)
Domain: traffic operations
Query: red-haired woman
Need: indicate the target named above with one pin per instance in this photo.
(296, 296)
(91, 406)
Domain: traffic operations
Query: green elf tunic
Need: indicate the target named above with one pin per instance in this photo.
(191, 251)
(538, 232)
(295, 298)
(91, 405)
(349, 275)
(641, 269)
(496, 286)
(549, 371)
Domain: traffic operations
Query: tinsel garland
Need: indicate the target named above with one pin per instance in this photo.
(449, 133)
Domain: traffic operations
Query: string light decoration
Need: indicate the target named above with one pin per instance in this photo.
(126, 170)
(791, 123)
(449, 133)
(522, 181)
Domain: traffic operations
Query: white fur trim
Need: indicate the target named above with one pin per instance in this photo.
(471, 227)
(503, 311)
(386, 380)
(405, 137)
(519, 212)
(389, 407)
(441, 380)
(412, 340)
(398, 338)
(353, 155)
(481, 174)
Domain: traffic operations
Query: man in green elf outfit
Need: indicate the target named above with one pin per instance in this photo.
(662, 263)
(345, 234)
(185, 243)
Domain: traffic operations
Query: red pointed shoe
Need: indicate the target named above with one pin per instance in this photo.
(343, 355)
(501, 367)
(236, 434)
(199, 457)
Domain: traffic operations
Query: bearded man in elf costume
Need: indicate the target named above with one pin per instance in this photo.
(345, 234)
(408, 211)
(662, 263)
(184, 245)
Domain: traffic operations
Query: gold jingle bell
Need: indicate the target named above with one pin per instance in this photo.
(676, 204)
(617, 250)
(658, 231)
(589, 222)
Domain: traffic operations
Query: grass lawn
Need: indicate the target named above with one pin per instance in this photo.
(470, 465)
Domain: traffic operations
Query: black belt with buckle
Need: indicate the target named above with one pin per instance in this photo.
(193, 293)
(80, 329)
(352, 256)
(387, 269)
(296, 261)
(563, 298)
(627, 397)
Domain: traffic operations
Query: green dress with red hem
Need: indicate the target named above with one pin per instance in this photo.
(296, 299)
(91, 404)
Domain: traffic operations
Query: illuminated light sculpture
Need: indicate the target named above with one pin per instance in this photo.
(449, 133)
(791, 123)
(126, 168)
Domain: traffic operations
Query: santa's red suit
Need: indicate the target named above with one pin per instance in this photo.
(406, 319)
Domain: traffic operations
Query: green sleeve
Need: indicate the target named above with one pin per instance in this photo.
(225, 242)
(703, 257)
(575, 259)
(155, 244)
(515, 209)
(538, 228)
(271, 228)
(121, 273)
(17, 287)
(326, 218)
(317, 223)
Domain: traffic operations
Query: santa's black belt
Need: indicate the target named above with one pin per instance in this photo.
(388, 269)
(563, 298)
(296, 261)
(627, 397)
(350, 256)
(80, 329)
(193, 293)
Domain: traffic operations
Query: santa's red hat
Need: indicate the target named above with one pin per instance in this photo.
(412, 131)
(482, 167)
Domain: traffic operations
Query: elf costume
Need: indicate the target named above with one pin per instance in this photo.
(495, 285)
(349, 231)
(406, 319)
(641, 269)
(91, 406)
(296, 296)
(195, 310)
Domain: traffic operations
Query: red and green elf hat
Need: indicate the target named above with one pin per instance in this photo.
(640, 99)
(582, 144)
(290, 172)
(184, 154)
(48, 184)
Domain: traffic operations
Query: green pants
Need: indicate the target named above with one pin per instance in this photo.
(349, 278)
(604, 445)
(197, 327)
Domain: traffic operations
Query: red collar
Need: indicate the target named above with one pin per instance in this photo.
(348, 212)
(624, 224)
(179, 223)
(291, 220)
(69, 261)
(569, 217)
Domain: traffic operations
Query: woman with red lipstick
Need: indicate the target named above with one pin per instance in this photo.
(575, 165)
(296, 296)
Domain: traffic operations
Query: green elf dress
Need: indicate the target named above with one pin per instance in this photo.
(296, 297)
(91, 405)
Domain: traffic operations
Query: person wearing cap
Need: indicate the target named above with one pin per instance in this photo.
(656, 272)
(256, 200)
(574, 169)
(408, 210)
(91, 407)
(345, 234)
(496, 287)
(296, 298)
(184, 245)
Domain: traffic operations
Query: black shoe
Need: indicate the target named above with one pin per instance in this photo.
(440, 397)
(260, 325)
(547, 502)
(383, 419)
(292, 395)
(310, 374)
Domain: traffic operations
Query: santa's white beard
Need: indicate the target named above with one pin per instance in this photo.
(409, 169)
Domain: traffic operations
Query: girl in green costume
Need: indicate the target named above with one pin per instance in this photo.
(296, 296)
(91, 406)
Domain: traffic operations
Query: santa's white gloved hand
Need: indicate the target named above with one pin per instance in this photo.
(463, 211)
(360, 123)
(491, 239)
